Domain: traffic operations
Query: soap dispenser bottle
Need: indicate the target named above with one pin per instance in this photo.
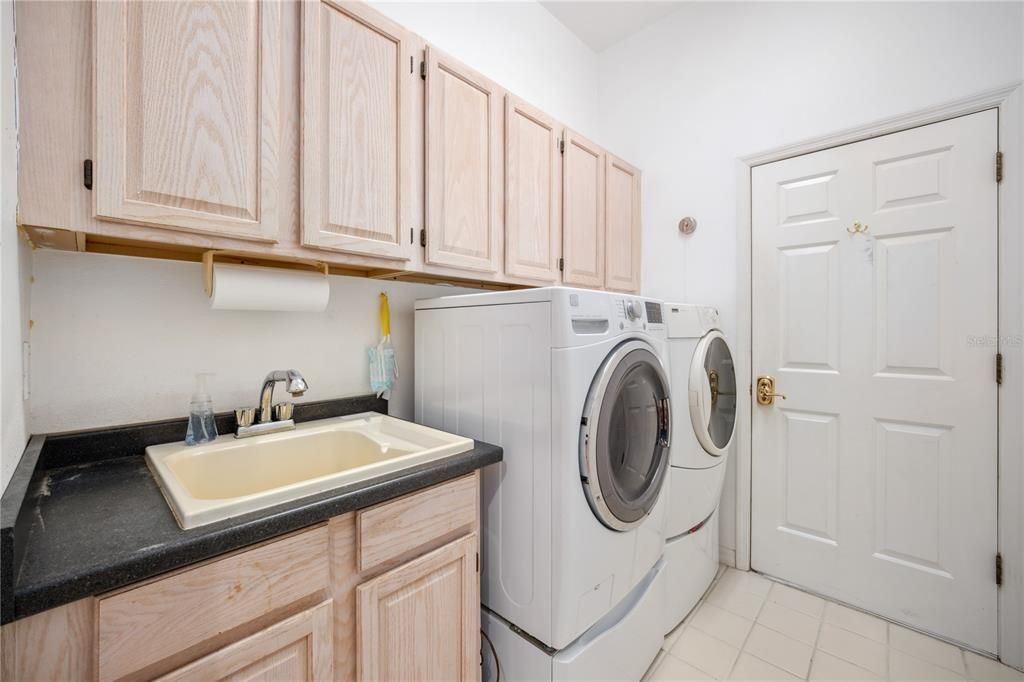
(202, 428)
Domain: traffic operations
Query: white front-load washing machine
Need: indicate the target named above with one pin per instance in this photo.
(703, 381)
(573, 385)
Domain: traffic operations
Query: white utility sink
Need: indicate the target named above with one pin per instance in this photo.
(230, 477)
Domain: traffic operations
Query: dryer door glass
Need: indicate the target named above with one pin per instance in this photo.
(628, 446)
(713, 394)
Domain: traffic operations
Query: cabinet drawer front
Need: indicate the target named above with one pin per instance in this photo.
(146, 624)
(394, 528)
(297, 648)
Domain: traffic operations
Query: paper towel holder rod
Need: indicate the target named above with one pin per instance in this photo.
(244, 258)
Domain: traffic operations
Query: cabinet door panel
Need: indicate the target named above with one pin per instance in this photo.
(356, 94)
(533, 215)
(622, 217)
(188, 115)
(421, 621)
(464, 166)
(296, 649)
(583, 225)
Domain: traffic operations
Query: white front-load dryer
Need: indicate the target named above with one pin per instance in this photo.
(574, 386)
(703, 381)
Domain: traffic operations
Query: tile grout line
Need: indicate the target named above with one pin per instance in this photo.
(743, 646)
(888, 651)
(817, 638)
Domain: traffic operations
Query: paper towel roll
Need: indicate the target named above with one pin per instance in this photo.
(244, 287)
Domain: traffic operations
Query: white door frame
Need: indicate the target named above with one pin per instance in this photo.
(1011, 322)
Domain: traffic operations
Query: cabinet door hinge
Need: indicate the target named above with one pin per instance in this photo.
(478, 562)
(999, 569)
(999, 368)
(412, 235)
(87, 173)
(423, 70)
(561, 265)
(423, 238)
(999, 166)
(561, 146)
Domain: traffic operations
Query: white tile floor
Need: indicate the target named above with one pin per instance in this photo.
(750, 628)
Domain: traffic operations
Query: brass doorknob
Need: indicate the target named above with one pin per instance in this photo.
(766, 394)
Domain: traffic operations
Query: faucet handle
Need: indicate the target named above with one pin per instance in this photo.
(245, 416)
(283, 411)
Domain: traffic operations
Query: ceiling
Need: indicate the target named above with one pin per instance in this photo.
(601, 24)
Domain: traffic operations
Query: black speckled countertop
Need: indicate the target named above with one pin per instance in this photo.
(84, 515)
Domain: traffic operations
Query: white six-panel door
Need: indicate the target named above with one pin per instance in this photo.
(874, 482)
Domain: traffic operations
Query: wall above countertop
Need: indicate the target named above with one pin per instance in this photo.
(118, 339)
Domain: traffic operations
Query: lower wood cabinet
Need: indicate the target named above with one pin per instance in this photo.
(306, 606)
(421, 620)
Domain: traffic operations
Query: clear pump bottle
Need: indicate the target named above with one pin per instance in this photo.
(202, 427)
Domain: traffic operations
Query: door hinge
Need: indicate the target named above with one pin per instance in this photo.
(478, 562)
(999, 569)
(999, 368)
(412, 235)
(423, 70)
(423, 238)
(561, 265)
(87, 173)
(999, 166)
(561, 146)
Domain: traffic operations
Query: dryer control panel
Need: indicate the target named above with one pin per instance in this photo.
(688, 321)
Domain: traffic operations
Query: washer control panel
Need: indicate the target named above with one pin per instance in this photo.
(634, 314)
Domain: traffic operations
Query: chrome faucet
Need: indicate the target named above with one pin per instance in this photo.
(295, 384)
(272, 418)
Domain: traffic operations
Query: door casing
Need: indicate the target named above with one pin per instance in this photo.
(1009, 100)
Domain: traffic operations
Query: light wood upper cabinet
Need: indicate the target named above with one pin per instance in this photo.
(622, 226)
(583, 183)
(298, 649)
(357, 85)
(420, 621)
(533, 195)
(187, 115)
(463, 166)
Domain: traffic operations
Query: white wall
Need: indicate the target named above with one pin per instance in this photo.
(686, 97)
(117, 340)
(520, 45)
(15, 266)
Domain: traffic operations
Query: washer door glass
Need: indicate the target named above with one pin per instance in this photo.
(627, 438)
(713, 394)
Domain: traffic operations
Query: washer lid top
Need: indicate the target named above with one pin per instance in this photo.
(713, 393)
(624, 448)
